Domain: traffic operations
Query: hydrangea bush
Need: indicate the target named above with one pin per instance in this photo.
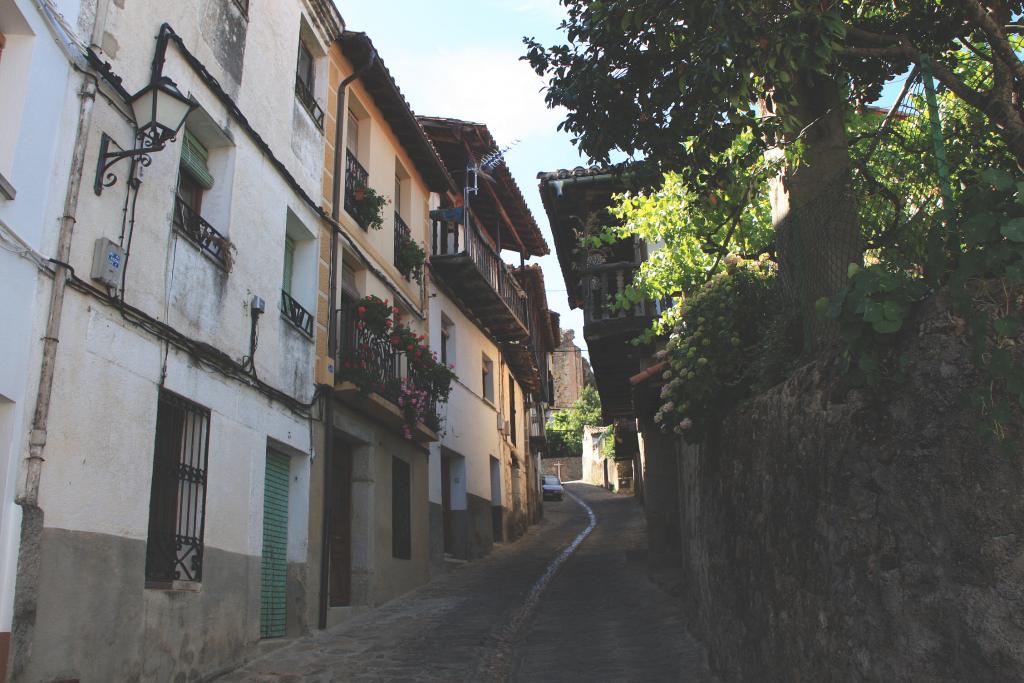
(710, 353)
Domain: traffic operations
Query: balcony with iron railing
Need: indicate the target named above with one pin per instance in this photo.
(472, 268)
(304, 93)
(356, 179)
(202, 234)
(382, 370)
(296, 314)
(402, 236)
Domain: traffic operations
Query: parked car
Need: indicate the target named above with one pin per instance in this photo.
(552, 487)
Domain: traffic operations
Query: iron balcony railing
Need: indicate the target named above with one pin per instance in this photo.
(402, 235)
(356, 178)
(602, 284)
(374, 359)
(446, 242)
(295, 313)
(205, 236)
(305, 95)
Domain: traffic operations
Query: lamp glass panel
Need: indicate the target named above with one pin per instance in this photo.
(171, 110)
(142, 107)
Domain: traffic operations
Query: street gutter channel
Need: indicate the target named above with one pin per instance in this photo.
(497, 667)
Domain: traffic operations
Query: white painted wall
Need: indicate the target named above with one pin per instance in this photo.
(470, 421)
(99, 456)
(35, 146)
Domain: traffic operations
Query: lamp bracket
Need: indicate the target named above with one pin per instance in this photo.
(108, 158)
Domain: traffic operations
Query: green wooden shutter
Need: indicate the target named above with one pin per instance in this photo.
(289, 264)
(274, 574)
(193, 160)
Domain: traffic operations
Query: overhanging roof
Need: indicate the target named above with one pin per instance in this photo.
(571, 197)
(463, 142)
(358, 49)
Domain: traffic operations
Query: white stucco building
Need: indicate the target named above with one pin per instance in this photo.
(491, 322)
(37, 120)
(166, 513)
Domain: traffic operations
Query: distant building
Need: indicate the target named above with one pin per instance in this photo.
(571, 372)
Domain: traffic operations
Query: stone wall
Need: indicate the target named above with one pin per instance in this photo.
(571, 468)
(836, 535)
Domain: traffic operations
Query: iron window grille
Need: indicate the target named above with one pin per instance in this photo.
(177, 502)
(204, 235)
(305, 95)
(304, 86)
(296, 314)
(402, 236)
(356, 177)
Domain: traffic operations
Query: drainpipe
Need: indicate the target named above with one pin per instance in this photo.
(332, 341)
(27, 578)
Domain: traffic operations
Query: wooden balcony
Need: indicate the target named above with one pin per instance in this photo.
(609, 332)
(472, 269)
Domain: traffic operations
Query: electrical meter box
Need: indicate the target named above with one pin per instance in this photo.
(107, 263)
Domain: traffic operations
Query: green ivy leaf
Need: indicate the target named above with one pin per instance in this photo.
(873, 312)
(892, 310)
(887, 326)
(1013, 229)
(1009, 326)
(999, 179)
(821, 307)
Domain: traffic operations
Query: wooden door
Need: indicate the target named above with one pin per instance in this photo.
(340, 491)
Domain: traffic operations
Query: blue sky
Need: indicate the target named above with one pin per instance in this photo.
(461, 59)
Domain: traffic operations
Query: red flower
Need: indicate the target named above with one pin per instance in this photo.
(361, 311)
(387, 323)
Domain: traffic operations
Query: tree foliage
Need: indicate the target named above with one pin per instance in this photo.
(565, 429)
(678, 82)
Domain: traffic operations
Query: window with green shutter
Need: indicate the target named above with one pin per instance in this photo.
(289, 264)
(194, 157)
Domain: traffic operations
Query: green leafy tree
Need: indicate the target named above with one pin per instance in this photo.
(678, 83)
(565, 428)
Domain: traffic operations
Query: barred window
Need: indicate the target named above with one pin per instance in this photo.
(177, 502)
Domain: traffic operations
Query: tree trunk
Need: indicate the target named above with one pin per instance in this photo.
(813, 208)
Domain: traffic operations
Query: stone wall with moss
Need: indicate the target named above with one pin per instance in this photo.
(838, 534)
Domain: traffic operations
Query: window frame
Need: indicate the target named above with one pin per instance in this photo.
(165, 566)
(487, 379)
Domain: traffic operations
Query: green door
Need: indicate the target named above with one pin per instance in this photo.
(275, 548)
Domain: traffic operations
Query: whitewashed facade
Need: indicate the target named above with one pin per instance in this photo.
(164, 388)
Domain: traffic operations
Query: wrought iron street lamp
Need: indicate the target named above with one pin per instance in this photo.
(160, 110)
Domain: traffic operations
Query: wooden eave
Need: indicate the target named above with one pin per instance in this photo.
(568, 205)
(359, 49)
(499, 203)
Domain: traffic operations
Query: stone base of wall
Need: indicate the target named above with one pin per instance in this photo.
(838, 535)
(571, 468)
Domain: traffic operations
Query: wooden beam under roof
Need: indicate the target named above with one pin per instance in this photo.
(497, 202)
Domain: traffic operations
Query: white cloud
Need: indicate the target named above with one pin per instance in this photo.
(477, 84)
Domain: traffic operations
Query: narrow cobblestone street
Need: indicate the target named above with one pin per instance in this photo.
(599, 618)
